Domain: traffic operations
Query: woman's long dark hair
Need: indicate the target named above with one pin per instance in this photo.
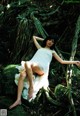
(50, 37)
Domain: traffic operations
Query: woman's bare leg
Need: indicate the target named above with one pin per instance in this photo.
(30, 69)
(30, 79)
(20, 88)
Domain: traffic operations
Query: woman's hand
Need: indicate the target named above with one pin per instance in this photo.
(77, 63)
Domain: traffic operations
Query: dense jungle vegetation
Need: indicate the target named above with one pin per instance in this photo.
(19, 21)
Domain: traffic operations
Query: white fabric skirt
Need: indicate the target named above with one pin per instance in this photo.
(39, 82)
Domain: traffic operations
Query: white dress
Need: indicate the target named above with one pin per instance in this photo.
(43, 58)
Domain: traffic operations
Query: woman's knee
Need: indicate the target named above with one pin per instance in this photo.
(22, 75)
(28, 65)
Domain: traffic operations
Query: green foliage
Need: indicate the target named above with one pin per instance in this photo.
(17, 25)
(61, 93)
(72, 1)
(54, 99)
(7, 81)
(76, 70)
(39, 27)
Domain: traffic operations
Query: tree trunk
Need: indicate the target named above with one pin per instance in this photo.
(69, 68)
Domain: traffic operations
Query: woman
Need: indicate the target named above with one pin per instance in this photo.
(39, 65)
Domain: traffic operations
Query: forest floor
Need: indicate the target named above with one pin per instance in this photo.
(5, 102)
(25, 110)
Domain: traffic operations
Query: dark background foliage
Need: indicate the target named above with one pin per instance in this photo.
(61, 22)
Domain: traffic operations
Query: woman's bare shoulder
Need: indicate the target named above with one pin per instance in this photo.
(53, 51)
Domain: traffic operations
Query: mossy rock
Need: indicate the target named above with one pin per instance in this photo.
(61, 92)
(7, 80)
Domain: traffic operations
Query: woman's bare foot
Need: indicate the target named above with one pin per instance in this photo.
(30, 92)
(17, 102)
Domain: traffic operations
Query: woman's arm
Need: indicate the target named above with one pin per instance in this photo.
(56, 56)
(35, 38)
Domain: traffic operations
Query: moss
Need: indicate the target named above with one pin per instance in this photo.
(8, 86)
(61, 93)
